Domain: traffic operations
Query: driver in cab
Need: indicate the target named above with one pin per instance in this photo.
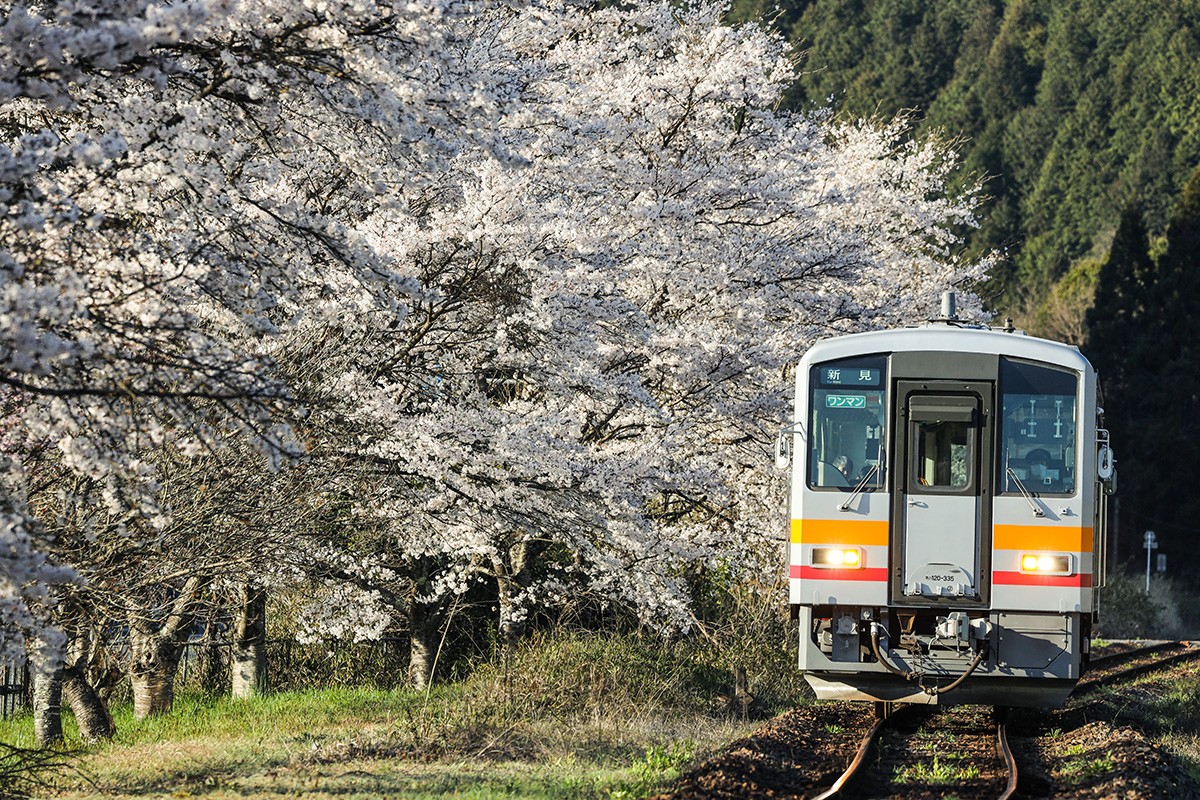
(1040, 475)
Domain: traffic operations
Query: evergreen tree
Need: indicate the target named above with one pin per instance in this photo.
(1144, 338)
(1123, 291)
(1119, 342)
(1175, 379)
(1069, 110)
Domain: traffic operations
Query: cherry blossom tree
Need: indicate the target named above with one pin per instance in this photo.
(584, 399)
(176, 183)
(523, 282)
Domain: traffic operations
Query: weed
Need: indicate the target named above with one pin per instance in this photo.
(936, 772)
(1081, 769)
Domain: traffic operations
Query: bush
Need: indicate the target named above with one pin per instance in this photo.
(634, 674)
(1127, 612)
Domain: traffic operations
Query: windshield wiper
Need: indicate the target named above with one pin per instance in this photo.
(1037, 511)
(858, 489)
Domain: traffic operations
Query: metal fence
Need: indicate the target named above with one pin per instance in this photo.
(14, 692)
(290, 665)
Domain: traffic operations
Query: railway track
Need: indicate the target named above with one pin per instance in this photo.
(1105, 670)
(908, 765)
(916, 752)
(1130, 663)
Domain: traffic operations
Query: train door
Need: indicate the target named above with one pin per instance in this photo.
(941, 484)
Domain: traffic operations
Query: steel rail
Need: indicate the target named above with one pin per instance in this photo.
(1101, 662)
(1010, 760)
(860, 758)
(1086, 685)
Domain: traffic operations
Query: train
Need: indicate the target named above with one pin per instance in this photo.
(948, 508)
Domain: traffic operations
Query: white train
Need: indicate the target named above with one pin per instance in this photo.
(947, 515)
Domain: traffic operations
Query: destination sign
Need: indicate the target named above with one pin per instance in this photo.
(845, 401)
(849, 376)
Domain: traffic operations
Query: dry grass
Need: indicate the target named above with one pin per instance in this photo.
(576, 718)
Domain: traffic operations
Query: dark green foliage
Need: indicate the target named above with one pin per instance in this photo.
(1072, 110)
(1122, 305)
(1144, 338)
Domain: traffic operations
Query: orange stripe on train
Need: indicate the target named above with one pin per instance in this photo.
(862, 532)
(1042, 537)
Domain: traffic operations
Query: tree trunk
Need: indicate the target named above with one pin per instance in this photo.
(514, 571)
(422, 654)
(213, 678)
(155, 648)
(248, 660)
(47, 703)
(91, 714)
(512, 622)
(152, 673)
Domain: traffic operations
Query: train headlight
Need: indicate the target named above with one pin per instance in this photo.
(837, 557)
(1046, 564)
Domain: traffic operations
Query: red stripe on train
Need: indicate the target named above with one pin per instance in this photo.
(820, 574)
(1082, 580)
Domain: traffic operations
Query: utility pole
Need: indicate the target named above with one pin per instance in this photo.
(1151, 542)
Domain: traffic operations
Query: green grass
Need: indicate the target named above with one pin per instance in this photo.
(941, 770)
(364, 743)
(561, 718)
(1079, 768)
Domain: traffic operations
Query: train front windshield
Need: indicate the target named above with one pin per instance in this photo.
(847, 425)
(1037, 441)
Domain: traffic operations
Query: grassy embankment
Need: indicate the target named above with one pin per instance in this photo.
(575, 718)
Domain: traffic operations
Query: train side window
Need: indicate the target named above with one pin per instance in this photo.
(1039, 406)
(846, 426)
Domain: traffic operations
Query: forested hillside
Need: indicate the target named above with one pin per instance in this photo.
(1072, 109)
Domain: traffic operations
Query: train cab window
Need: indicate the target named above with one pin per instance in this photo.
(846, 430)
(1038, 431)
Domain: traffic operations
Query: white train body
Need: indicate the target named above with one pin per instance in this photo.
(947, 518)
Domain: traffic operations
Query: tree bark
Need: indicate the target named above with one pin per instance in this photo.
(155, 650)
(511, 626)
(47, 703)
(91, 714)
(514, 572)
(155, 662)
(213, 679)
(248, 660)
(422, 655)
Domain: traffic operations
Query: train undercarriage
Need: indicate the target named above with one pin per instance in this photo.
(942, 655)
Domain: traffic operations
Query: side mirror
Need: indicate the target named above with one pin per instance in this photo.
(783, 450)
(1106, 468)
